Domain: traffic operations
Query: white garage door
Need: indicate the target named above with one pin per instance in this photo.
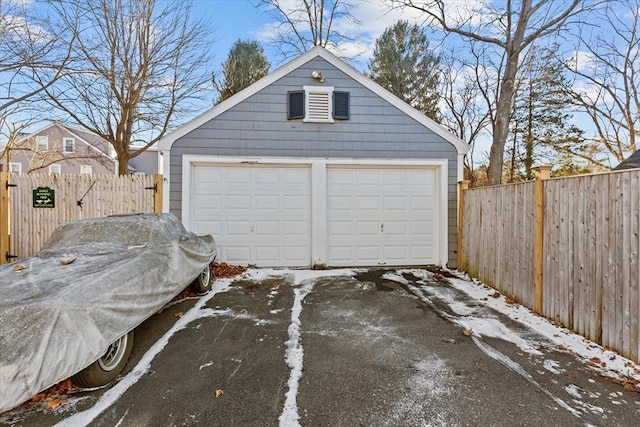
(259, 214)
(385, 216)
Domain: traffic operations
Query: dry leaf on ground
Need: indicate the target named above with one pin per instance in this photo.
(54, 403)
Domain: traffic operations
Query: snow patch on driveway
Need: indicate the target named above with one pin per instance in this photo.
(198, 311)
(294, 353)
(294, 357)
(611, 364)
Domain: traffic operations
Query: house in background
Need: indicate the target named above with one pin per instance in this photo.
(58, 148)
(317, 165)
(145, 163)
(631, 162)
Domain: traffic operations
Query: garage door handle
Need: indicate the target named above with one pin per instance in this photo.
(253, 228)
(381, 227)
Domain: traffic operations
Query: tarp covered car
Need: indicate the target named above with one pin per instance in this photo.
(92, 283)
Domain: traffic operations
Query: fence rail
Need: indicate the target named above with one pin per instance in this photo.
(25, 228)
(589, 251)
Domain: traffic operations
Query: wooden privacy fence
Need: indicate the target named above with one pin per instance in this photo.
(568, 248)
(32, 205)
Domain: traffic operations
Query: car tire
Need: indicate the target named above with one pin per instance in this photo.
(203, 282)
(108, 367)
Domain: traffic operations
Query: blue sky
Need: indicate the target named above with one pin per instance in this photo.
(231, 20)
(240, 19)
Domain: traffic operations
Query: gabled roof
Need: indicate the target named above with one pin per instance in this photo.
(78, 134)
(318, 51)
(631, 162)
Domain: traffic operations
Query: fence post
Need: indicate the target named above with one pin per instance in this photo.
(462, 186)
(157, 195)
(542, 172)
(4, 217)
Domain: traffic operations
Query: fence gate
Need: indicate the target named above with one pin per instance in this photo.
(31, 206)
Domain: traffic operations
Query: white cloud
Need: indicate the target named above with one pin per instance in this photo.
(582, 61)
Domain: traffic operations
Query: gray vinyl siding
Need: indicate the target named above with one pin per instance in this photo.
(258, 127)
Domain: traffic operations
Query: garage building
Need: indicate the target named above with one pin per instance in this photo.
(317, 165)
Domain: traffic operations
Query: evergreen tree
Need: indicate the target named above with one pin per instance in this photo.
(541, 129)
(245, 65)
(403, 64)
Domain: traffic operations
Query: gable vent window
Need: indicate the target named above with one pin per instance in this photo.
(318, 104)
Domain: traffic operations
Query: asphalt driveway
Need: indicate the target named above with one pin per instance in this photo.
(370, 348)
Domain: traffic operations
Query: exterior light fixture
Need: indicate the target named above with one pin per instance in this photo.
(316, 75)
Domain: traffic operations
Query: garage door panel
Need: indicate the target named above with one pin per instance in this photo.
(423, 228)
(236, 175)
(259, 214)
(296, 203)
(395, 203)
(206, 201)
(418, 252)
(267, 202)
(237, 228)
(235, 254)
(367, 228)
(296, 176)
(367, 177)
(339, 203)
(368, 253)
(368, 202)
(237, 201)
(296, 229)
(396, 228)
(266, 254)
(390, 215)
(425, 204)
(265, 228)
(395, 253)
(340, 178)
(339, 228)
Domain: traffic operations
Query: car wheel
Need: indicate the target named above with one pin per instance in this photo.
(106, 369)
(203, 282)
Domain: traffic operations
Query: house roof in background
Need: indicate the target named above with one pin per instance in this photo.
(318, 51)
(631, 162)
(90, 139)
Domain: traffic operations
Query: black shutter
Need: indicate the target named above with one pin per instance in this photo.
(295, 108)
(341, 105)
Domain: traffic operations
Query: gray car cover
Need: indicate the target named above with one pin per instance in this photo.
(94, 281)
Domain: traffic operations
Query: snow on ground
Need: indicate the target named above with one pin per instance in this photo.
(610, 363)
(113, 394)
(480, 325)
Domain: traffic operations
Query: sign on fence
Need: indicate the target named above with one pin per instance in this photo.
(44, 197)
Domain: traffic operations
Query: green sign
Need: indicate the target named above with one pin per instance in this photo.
(44, 197)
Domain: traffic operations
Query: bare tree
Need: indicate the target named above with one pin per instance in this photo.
(34, 53)
(466, 110)
(141, 66)
(608, 78)
(303, 24)
(509, 30)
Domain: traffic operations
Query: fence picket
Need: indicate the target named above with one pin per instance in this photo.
(101, 195)
(591, 251)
